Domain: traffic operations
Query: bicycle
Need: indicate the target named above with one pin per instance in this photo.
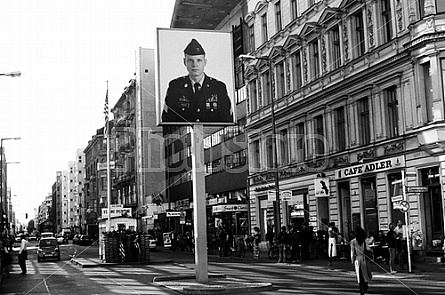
(239, 248)
(274, 250)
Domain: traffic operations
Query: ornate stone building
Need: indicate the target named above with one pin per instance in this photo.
(358, 103)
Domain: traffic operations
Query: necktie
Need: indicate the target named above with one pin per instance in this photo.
(197, 88)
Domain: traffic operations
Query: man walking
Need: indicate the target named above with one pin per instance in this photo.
(23, 254)
(283, 240)
(295, 244)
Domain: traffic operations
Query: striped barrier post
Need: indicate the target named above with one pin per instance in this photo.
(122, 251)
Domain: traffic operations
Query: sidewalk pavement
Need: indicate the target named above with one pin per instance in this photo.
(428, 269)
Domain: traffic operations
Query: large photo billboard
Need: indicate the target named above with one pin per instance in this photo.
(195, 82)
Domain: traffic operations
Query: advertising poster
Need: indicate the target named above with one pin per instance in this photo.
(195, 78)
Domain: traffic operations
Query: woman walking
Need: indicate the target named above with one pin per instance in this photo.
(359, 259)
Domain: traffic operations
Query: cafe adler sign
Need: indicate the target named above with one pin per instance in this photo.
(371, 167)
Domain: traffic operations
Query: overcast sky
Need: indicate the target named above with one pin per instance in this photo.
(66, 51)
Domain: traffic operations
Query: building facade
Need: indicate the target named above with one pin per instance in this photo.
(95, 182)
(56, 209)
(150, 177)
(357, 91)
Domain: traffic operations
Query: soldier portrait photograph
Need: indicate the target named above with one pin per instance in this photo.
(195, 96)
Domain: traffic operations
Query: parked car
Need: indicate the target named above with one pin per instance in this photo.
(76, 239)
(85, 240)
(152, 242)
(48, 248)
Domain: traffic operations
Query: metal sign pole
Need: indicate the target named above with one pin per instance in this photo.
(408, 246)
(199, 204)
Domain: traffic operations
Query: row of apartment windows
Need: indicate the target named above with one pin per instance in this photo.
(335, 51)
(224, 134)
(292, 143)
(210, 141)
(279, 23)
(232, 161)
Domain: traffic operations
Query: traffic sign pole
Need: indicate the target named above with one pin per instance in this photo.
(408, 239)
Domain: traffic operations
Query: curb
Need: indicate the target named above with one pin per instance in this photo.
(218, 284)
(184, 277)
(227, 289)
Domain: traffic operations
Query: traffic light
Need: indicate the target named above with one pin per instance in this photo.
(26, 215)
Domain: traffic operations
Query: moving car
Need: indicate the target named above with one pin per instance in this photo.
(46, 235)
(48, 248)
(85, 240)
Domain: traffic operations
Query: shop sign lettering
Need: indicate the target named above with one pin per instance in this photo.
(371, 167)
(229, 208)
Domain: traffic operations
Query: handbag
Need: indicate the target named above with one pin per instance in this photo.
(6, 258)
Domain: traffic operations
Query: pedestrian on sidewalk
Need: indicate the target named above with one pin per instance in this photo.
(332, 242)
(256, 237)
(269, 238)
(401, 243)
(295, 240)
(283, 240)
(307, 238)
(391, 240)
(23, 254)
(6, 256)
(359, 259)
(222, 234)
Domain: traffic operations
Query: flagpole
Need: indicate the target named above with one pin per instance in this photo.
(107, 136)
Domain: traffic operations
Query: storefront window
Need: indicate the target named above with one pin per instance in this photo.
(432, 206)
(369, 195)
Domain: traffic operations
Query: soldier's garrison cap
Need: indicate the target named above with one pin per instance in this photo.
(194, 48)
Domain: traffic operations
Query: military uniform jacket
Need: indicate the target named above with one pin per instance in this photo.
(210, 104)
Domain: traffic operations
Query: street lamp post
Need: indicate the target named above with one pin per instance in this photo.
(277, 206)
(11, 74)
(8, 214)
(1, 179)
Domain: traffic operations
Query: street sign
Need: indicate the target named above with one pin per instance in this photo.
(416, 189)
(397, 198)
(404, 206)
(322, 188)
(103, 166)
(286, 195)
(173, 214)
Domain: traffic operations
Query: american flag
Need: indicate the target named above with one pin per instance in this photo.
(106, 112)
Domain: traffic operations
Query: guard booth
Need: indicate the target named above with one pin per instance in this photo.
(120, 221)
